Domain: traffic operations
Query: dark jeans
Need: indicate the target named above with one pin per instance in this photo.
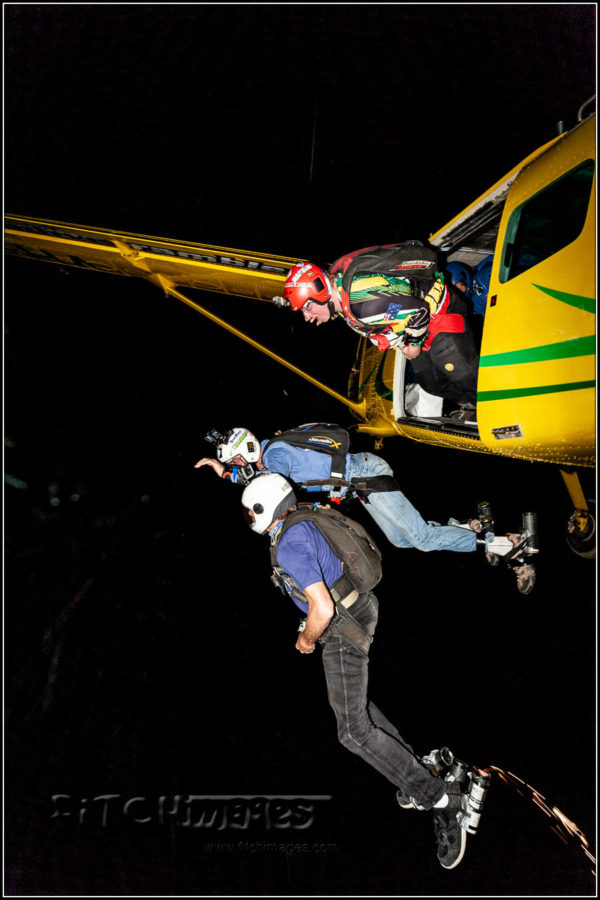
(449, 368)
(362, 728)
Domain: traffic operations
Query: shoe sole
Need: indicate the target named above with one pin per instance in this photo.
(526, 588)
(463, 847)
(404, 803)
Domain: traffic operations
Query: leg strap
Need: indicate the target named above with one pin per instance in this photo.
(513, 557)
(346, 625)
(377, 484)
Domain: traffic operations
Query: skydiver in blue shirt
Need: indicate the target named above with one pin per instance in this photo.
(308, 559)
(393, 512)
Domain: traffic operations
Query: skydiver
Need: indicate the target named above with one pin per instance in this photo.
(240, 454)
(481, 285)
(421, 315)
(464, 279)
(321, 588)
(461, 276)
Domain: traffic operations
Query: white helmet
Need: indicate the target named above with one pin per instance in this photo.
(265, 499)
(239, 441)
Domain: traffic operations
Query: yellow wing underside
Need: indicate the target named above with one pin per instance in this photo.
(202, 267)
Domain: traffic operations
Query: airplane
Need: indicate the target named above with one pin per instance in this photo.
(536, 379)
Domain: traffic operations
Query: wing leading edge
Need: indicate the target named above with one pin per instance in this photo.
(202, 267)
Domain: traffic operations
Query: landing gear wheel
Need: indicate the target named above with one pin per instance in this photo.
(581, 532)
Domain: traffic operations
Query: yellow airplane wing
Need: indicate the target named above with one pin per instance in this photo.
(202, 267)
(169, 265)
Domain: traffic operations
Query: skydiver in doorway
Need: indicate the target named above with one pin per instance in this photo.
(397, 297)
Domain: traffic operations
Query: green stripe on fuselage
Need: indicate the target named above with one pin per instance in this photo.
(587, 304)
(583, 346)
(482, 396)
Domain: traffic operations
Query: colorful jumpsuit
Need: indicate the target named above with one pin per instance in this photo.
(383, 309)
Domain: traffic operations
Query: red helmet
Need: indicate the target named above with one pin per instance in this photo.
(305, 282)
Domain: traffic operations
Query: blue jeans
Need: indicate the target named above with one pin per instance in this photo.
(401, 523)
(361, 727)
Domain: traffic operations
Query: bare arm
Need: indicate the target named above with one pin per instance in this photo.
(213, 463)
(320, 614)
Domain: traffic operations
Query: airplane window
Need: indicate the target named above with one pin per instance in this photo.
(547, 222)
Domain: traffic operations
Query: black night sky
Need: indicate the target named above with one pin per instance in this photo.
(147, 654)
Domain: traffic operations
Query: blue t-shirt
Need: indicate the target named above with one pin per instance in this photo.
(299, 465)
(306, 556)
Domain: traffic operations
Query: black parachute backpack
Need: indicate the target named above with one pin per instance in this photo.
(411, 260)
(324, 437)
(350, 542)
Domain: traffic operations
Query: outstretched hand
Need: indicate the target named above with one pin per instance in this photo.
(213, 463)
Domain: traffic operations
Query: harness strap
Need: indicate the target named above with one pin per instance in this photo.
(362, 486)
(449, 322)
(376, 484)
(321, 482)
(344, 624)
(344, 596)
(513, 557)
(341, 590)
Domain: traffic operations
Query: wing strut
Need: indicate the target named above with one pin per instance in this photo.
(358, 408)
